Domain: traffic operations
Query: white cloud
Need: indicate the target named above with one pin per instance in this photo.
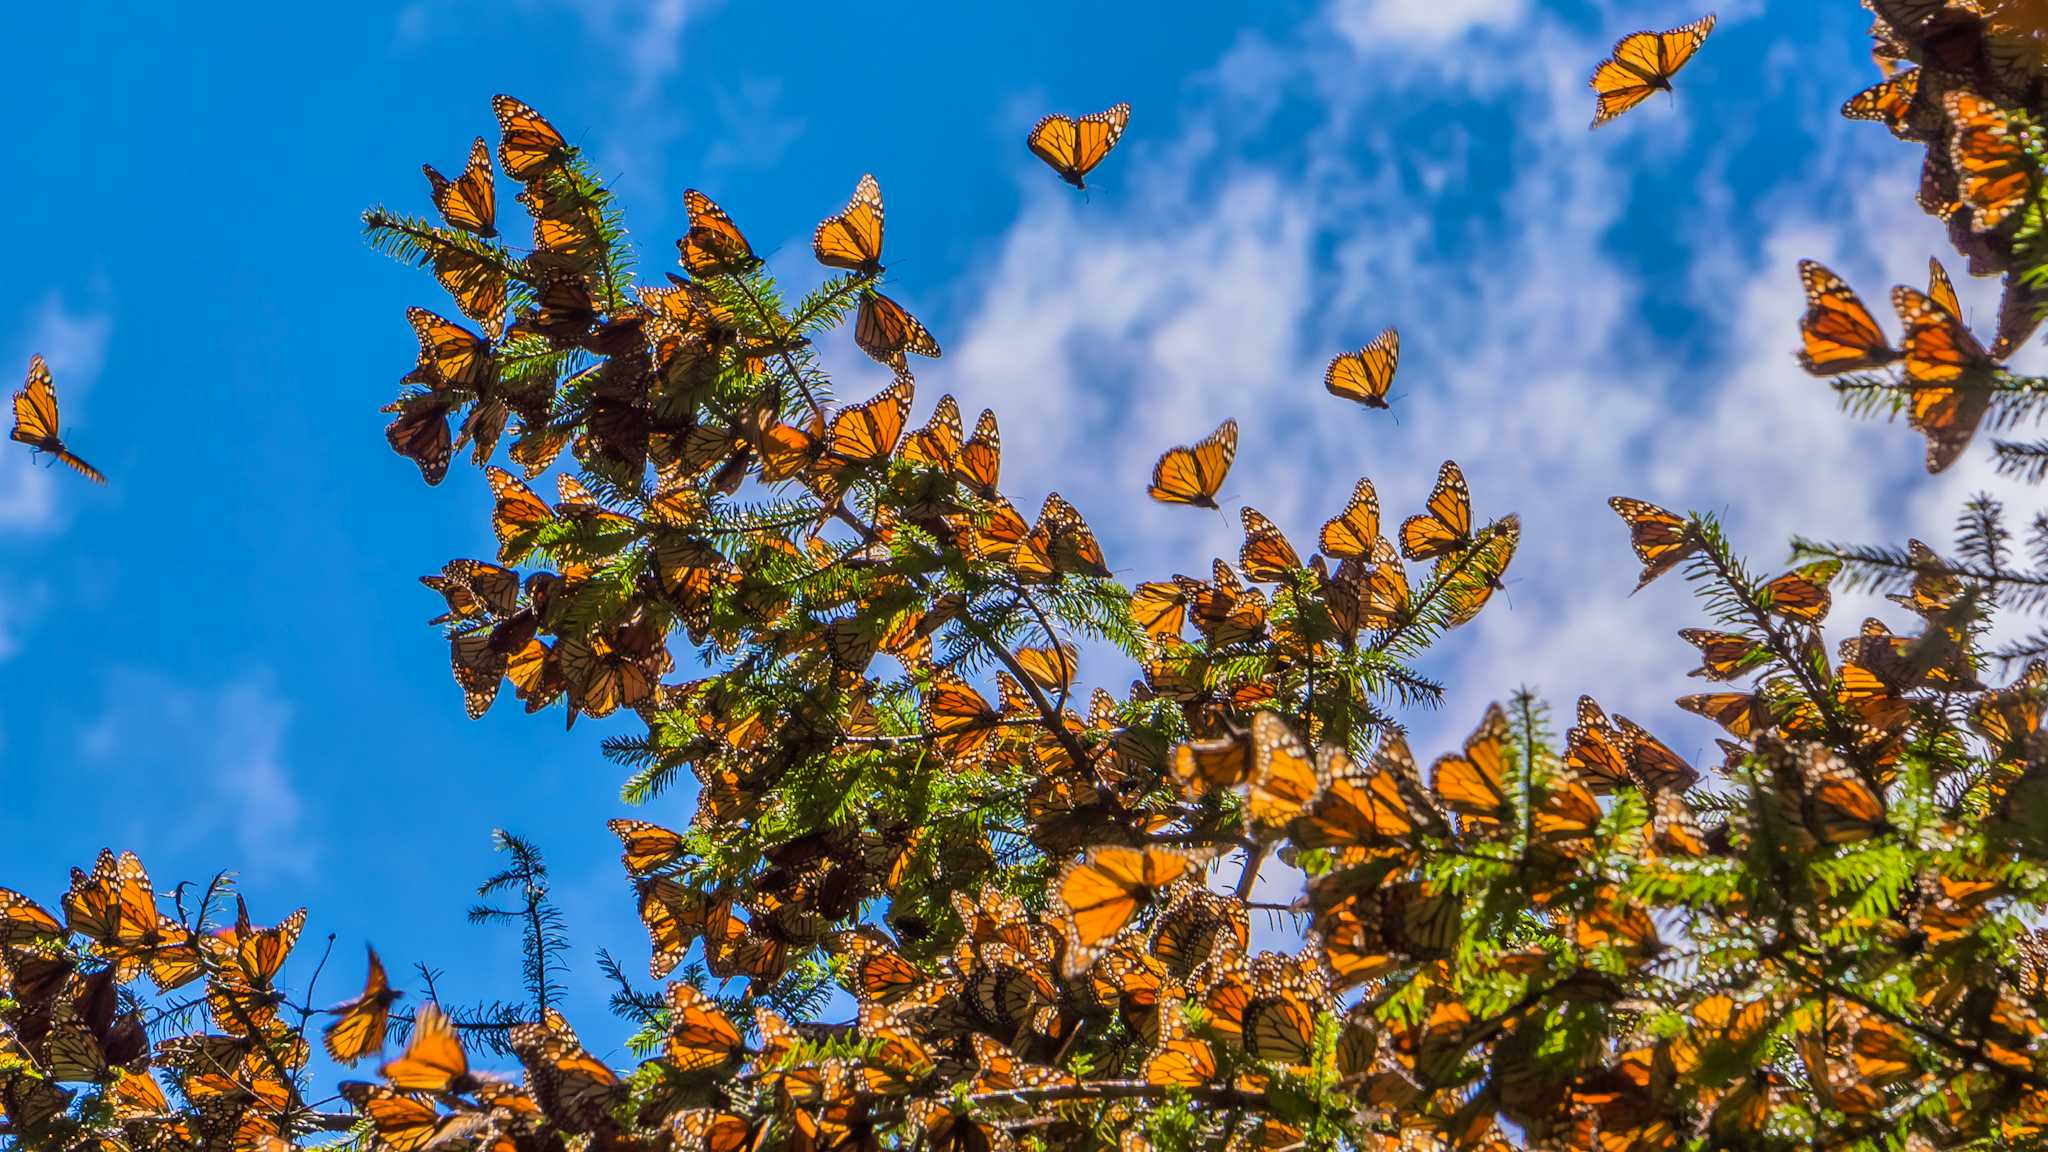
(649, 32)
(1107, 331)
(216, 755)
(1373, 25)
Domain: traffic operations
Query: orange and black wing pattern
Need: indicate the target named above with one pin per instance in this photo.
(1365, 375)
(35, 420)
(1643, 63)
(1193, 473)
(1838, 334)
(1075, 146)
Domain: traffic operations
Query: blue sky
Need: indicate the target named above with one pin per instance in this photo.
(220, 660)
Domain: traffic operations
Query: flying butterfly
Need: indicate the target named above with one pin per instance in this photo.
(528, 146)
(1104, 889)
(1948, 371)
(1661, 539)
(1643, 63)
(1365, 375)
(1192, 474)
(433, 1061)
(1075, 146)
(1351, 534)
(853, 238)
(1838, 334)
(1447, 525)
(360, 1029)
(885, 331)
(469, 202)
(35, 420)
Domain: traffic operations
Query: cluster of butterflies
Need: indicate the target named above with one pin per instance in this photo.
(1972, 74)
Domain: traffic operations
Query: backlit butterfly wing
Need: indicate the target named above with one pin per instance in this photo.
(1181, 1058)
(1661, 539)
(1283, 775)
(1643, 63)
(1350, 535)
(35, 420)
(1474, 784)
(1266, 556)
(574, 1089)
(1889, 103)
(959, 718)
(1365, 375)
(1447, 525)
(528, 146)
(980, 463)
(713, 246)
(360, 1029)
(647, 846)
(1802, 594)
(517, 515)
(853, 238)
(866, 433)
(885, 331)
(1949, 372)
(1074, 147)
(1192, 474)
(1989, 153)
(1838, 334)
(699, 1035)
(1942, 290)
(1103, 890)
(469, 202)
(938, 443)
(433, 1061)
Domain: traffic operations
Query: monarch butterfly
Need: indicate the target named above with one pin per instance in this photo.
(1889, 102)
(885, 331)
(574, 1089)
(647, 846)
(2020, 308)
(1948, 371)
(959, 719)
(568, 227)
(1474, 784)
(1365, 375)
(867, 432)
(1723, 655)
(1447, 525)
(713, 245)
(1180, 1058)
(980, 461)
(517, 515)
(1642, 63)
(1362, 814)
(115, 907)
(879, 973)
(1196, 927)
(35, 420)
(433, 1060)
(1651, 762)
(1283, 775)
(601, 676)
(23, 921)
(1205, 765)
(405, 1123)
(469, 202)
(853, 238)
(699, 1035)
(938, 443)
(1942, 290)
(1350, 534)
(1836, 804)
(360, 1027)
(1802, 594)
(1743, 714)
(1838, 333)
(1103, 890)
(1191, 474)
(253, 956)
(1989, 153)
(1384, 603)
(1051, 667)
(1060, 543)
(1661, 540)
(528, 146)
(1075, 146)
(1001, 1071)
(1266, 556)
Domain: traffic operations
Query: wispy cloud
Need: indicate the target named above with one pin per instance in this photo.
(214, 756)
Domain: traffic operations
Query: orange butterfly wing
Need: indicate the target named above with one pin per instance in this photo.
(1192, 474)
(1643, 63)
(1838, 334)
(1074, 147)
(1365, 375)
